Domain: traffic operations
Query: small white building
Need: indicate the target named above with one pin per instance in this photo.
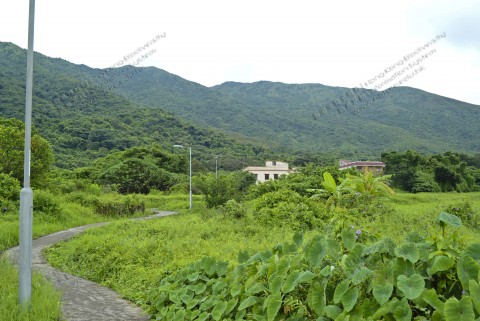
(271, 171)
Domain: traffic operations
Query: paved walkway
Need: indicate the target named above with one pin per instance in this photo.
(83, 300)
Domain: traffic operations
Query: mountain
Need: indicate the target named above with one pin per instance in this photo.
(90, 111)
(83, 119)
(282, 115)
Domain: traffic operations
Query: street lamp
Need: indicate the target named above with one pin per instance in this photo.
(26, 194)
(190, 149)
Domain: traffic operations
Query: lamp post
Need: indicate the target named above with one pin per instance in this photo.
(190, 149)
(26, 194)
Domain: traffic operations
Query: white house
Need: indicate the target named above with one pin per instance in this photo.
(271, 171)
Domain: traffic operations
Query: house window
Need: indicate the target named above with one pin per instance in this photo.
(275, 176)
(274, 163)
(267, 177)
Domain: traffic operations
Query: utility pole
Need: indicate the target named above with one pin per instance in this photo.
(216, 166)
(26, 194)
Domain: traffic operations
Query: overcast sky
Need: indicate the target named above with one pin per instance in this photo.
(338, 43)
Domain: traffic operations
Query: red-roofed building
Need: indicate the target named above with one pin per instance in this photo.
(375, 167)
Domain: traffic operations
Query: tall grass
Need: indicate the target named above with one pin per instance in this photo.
(45, 300)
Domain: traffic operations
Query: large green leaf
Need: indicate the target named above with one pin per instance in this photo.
(430, 296)
(274, 304)
(209, 266)
(329, 182)
(290, 282)
(340, 290)
(369, 307)
(361, 274)
(316, 298)
(403, 312)
(315, 253)
(459, 310)
(348, 238)
(295, 278)
(408, 251)
(402, 266)
(231, 305)
(467, 269)
(474, 251)
(248, 302)
(349, 299)
(218, 310)
(449, 219)
(440, 263)
(204, 316)
(332, 311)
(298, 239)
(475, 294)
(412, 287)
(382, 292)
(257, 287)
(275, 284)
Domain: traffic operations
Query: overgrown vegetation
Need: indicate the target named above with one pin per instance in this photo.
(341, 277)
(45, 304)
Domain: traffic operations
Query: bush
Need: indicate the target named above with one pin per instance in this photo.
(9, 188)
(45, 202)
(288, 208)
(118, 207)
(233, 209)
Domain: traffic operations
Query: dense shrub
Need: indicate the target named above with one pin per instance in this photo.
(9, 188)
(118, 207)
(234, 209)
(46, 202)
(288, 208)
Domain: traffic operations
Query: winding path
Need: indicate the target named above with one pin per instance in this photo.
(83, 300)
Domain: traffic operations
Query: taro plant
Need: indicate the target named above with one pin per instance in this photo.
(341, 278)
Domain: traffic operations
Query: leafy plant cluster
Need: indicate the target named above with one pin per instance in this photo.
(288, 208)
(350, 276)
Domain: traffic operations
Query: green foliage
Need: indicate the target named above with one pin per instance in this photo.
(233, 209)
(417, 173)
(218, 190)
(329, 278)
(288, 208)
(9, 191)
(46, 202)
(465, 212)
(12, 136)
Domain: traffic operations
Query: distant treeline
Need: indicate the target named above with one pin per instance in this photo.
(414, 172)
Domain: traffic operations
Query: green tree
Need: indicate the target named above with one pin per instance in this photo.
(136, 175)
(218, 191)
(12, 136)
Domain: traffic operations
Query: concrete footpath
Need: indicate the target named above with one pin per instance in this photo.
(83, 300)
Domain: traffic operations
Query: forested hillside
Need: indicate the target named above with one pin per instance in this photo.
(83, 120)
(282, 114)
(86, 111)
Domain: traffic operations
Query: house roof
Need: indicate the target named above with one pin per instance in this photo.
(347, 164)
